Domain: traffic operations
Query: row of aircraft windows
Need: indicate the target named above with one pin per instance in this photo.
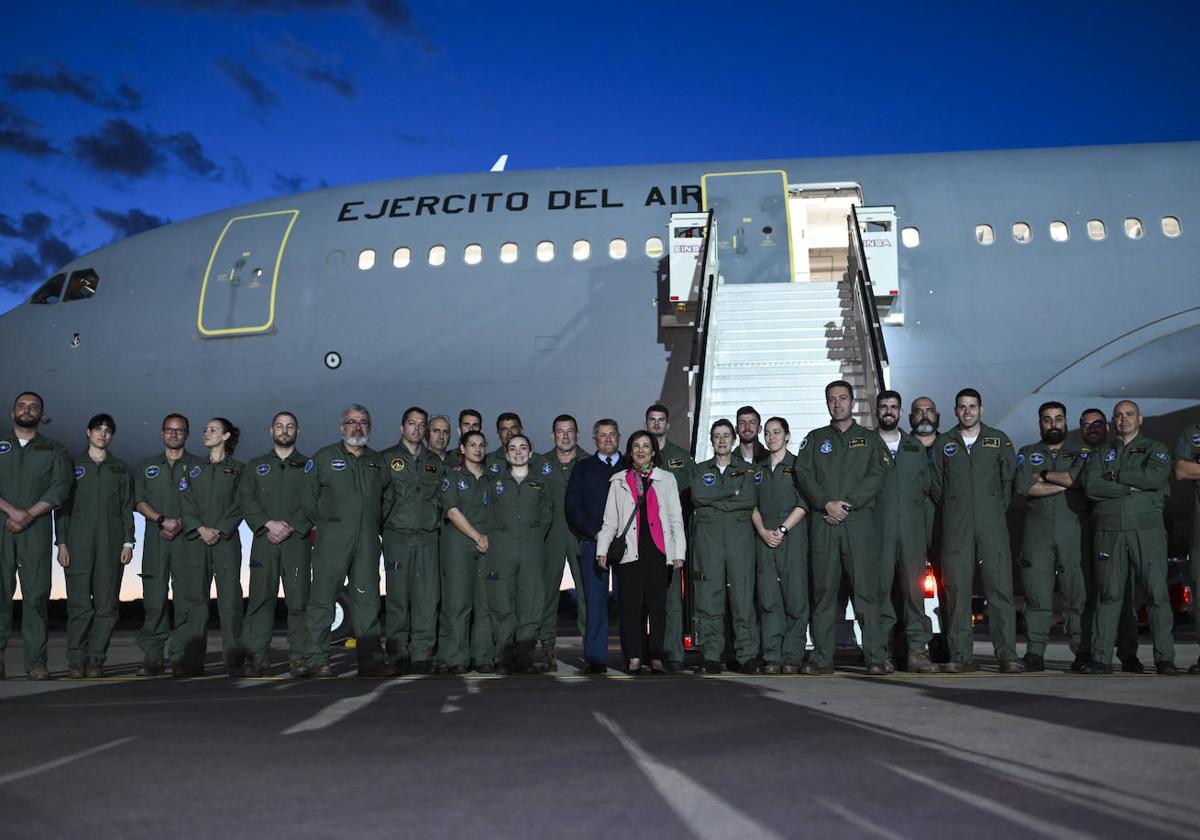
(581, 249)
(1060, 232)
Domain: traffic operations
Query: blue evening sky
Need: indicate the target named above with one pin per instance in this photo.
(121, 115)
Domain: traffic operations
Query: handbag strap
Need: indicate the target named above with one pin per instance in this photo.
(641, 501)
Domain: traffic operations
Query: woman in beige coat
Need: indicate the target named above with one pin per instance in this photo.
(643, 504)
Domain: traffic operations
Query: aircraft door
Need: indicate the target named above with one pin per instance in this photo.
(754, 244)
(237, 295)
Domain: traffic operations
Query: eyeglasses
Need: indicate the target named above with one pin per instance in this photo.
(363, 423)
(168, 431)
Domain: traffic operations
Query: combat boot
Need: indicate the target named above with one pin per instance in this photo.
(548, 655)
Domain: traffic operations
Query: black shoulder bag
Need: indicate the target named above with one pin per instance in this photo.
(616, 549)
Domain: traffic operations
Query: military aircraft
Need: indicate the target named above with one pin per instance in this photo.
(1066, 273)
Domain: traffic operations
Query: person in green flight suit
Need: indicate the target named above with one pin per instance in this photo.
(508, 423)
(676, 461)
(1053, 540)
(469, 420)
(437, 437)
(271, 496)
(1187, 468)
(900, 527)
(554, 467)
(94, 532)
(344, 497)
(724, 493)
(519, 507)
(782, 554)
(35, 478)
(1129, 478)
(973, 468)
(211, 516)
(412, 515)
(464, 622)
(840, 471)
(156, 497)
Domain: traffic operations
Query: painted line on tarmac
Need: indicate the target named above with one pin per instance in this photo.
(339, 710)
(859, 820)
(1044, 827)
(59, 762)
(704, 813)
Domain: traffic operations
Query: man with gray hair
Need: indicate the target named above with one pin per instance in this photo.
(344, 497)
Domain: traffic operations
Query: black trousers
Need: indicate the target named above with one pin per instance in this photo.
(642, 596)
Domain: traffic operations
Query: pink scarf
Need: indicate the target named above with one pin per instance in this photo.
(656, 531)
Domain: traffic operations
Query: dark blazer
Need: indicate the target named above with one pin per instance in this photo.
(587, 492)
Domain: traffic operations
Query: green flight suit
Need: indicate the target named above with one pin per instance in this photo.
(1187, 448)
(94, 523)
(850, 466)
(412, 514)
(39, 471)
(1129, 484)
(677, 461)
(209, 497)
(518, 521)
(723, 557)
(272, 489)
(900, 520)
(974, 488)
(560, 543)
(1053, 543)
(782, 571)
(464, 622)
(156, 482)
(496, 461)
(344, 497)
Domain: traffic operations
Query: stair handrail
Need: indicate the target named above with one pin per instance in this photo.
(708, 283)
(864, 291)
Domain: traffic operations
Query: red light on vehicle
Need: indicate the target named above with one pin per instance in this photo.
(894, 292)
(674, 297)
(930, 585)
(1187, 596)
(688, 644)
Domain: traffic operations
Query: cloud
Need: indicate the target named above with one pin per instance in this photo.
(19, 272)
(54, 253)
(132, 221)
(314, 65)
(327, 76)
(19, 134)
(288, 184)
(394, 13)
(85, 88)
(261, 96)
(31, 225)
(121, 148)
(44, 252)
(240, 173)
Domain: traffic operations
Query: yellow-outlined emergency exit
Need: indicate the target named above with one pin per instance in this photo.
(256, 237)
(731, 223)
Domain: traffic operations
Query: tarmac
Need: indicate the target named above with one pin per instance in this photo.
(566, 755)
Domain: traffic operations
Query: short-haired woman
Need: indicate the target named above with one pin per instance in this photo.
(643, 508)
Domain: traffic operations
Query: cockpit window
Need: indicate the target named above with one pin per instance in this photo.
(51, 290)
(83, 285)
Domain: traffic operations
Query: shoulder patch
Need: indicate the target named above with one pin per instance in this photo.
(826, 446)
(804, 443)
(462, 484)
(709, 479)
(547, 468)
(1162, 456)
(1195, 440)
(494, 468)
(950, 449)
(991, 443)
(445, 484)
(183, 484)
(152, 471)
(5, 447)
(194, 472)
(1037, 458)
(499, 488)
(1110, 456)
(337, 464)
(857, 443)
(1020, 458)
(308, 467)
(79, 472)
(397, 465)
(758, 478)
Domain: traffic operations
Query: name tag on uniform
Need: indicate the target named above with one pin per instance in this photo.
(431, 469)
(1141, 450)
(991, 443)
(536, 485)
(372, 465)
(788, 471)
(228, 470)
(675, 463)
(911, 447)
(856, 443)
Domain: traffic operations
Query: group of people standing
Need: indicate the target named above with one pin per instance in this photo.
(474, 541)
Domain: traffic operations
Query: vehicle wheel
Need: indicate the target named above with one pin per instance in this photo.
(342, 627)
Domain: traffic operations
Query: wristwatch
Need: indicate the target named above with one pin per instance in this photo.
(783, 529)
(160, 519)
(1043, 474)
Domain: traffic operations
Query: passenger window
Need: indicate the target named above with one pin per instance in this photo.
(910, 236)
(51, 290)
(437, 255)
(508, 252)
(1096, 229)
(545, 251)
(1021, 232)
(984, 234)
(83, 285)
(1133, 228)
(654, 247)
(1170, 226)
(366, 259)
(401, 257)
(1059, 231)
(581, 250)
(617, 249)
(473, 254)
